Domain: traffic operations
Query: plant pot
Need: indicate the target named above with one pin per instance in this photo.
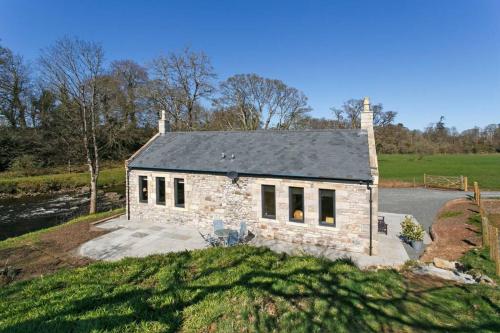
(417, 245)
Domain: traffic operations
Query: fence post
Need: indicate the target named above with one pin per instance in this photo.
(425, 183)
(491, 234)
(465, 183)
(497, 252)
(476, 193)
(484, 227)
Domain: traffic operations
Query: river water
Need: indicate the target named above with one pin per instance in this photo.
(22, 215)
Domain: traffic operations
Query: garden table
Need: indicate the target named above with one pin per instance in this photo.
(223, 233)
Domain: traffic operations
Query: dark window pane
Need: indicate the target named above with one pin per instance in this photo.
(143, 188)
(179, 192)
(160, 190)
(327, 207)
(296, 204)
(268, 201)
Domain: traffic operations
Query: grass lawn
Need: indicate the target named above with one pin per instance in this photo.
(485, 169)
(242, 289)
(60, 181)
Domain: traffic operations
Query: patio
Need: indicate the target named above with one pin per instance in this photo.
(140, 239)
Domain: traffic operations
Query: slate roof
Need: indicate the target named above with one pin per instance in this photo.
(327, 154)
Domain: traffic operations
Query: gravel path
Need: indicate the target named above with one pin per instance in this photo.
(423, 204)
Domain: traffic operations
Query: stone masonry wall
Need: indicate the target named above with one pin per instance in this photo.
(209, 197)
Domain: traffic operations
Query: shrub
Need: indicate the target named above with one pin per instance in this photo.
(25, 164)
(411, 230)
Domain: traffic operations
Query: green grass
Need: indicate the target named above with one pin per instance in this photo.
(485, 169)
(451, 213)
(34, 236)
(479, 260)
(241, 289)
(56, 182)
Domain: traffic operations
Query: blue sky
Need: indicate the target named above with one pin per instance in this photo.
(421, 58)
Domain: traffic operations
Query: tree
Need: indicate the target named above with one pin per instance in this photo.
(262, 102)
(180, 82)
(349, 115)
(14, 88)
(130, 77)
(74, 66)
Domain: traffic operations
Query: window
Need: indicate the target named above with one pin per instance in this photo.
(160, 190)
(296, 198)
(327, 208)
(179, 192)
(143, 189)
(268, 201)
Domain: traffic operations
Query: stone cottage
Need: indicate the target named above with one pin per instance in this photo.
(306, 186)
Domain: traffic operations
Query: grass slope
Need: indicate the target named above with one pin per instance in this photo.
(484, 169)
(241, 289)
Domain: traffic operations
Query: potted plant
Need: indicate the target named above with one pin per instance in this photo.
(413, 233)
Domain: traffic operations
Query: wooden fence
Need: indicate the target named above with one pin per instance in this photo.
(490, 223)
(450, 182)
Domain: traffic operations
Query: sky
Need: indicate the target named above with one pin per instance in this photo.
(421, 58)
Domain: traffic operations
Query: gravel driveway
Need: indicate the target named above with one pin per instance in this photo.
(423, 204)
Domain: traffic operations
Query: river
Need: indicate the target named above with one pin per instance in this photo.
(22, 215)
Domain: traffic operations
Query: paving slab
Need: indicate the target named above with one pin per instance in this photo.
(140, 239)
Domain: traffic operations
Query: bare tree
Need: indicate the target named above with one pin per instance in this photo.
(236, 95)
(75, 66)
(180, 82)
(349, 115)
(130, 78)
(262, 102)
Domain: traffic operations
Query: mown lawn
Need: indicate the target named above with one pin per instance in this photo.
(55, 182)
(485, 169)
(242, 289)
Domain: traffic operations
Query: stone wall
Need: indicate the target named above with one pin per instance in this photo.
(210, 197)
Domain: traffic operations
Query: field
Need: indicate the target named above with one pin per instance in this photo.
(12, 185)
(485, 169)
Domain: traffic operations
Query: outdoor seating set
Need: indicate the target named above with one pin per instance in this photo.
(225, 236)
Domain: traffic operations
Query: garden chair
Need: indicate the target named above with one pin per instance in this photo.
(382, 226)
(243, 231)
(211, 240)
(233, 238)
(218, 225)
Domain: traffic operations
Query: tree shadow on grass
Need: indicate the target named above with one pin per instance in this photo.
(287, 293)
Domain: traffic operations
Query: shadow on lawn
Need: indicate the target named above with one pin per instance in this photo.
(322, 296)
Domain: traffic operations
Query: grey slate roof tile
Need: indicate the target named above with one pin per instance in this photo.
(329, 154)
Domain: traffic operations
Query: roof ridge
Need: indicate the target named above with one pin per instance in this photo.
(260, 131)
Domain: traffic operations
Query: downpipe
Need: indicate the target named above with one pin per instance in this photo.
(128, 194)
(371, 216)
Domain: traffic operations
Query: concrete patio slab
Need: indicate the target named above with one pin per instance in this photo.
(140, 239)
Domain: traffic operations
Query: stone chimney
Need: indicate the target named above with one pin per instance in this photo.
(367, 124)
(366, 115)
(163, 124)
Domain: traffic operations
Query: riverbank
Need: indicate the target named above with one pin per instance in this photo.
(14, 187)
(30, 213)
(49, 250)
